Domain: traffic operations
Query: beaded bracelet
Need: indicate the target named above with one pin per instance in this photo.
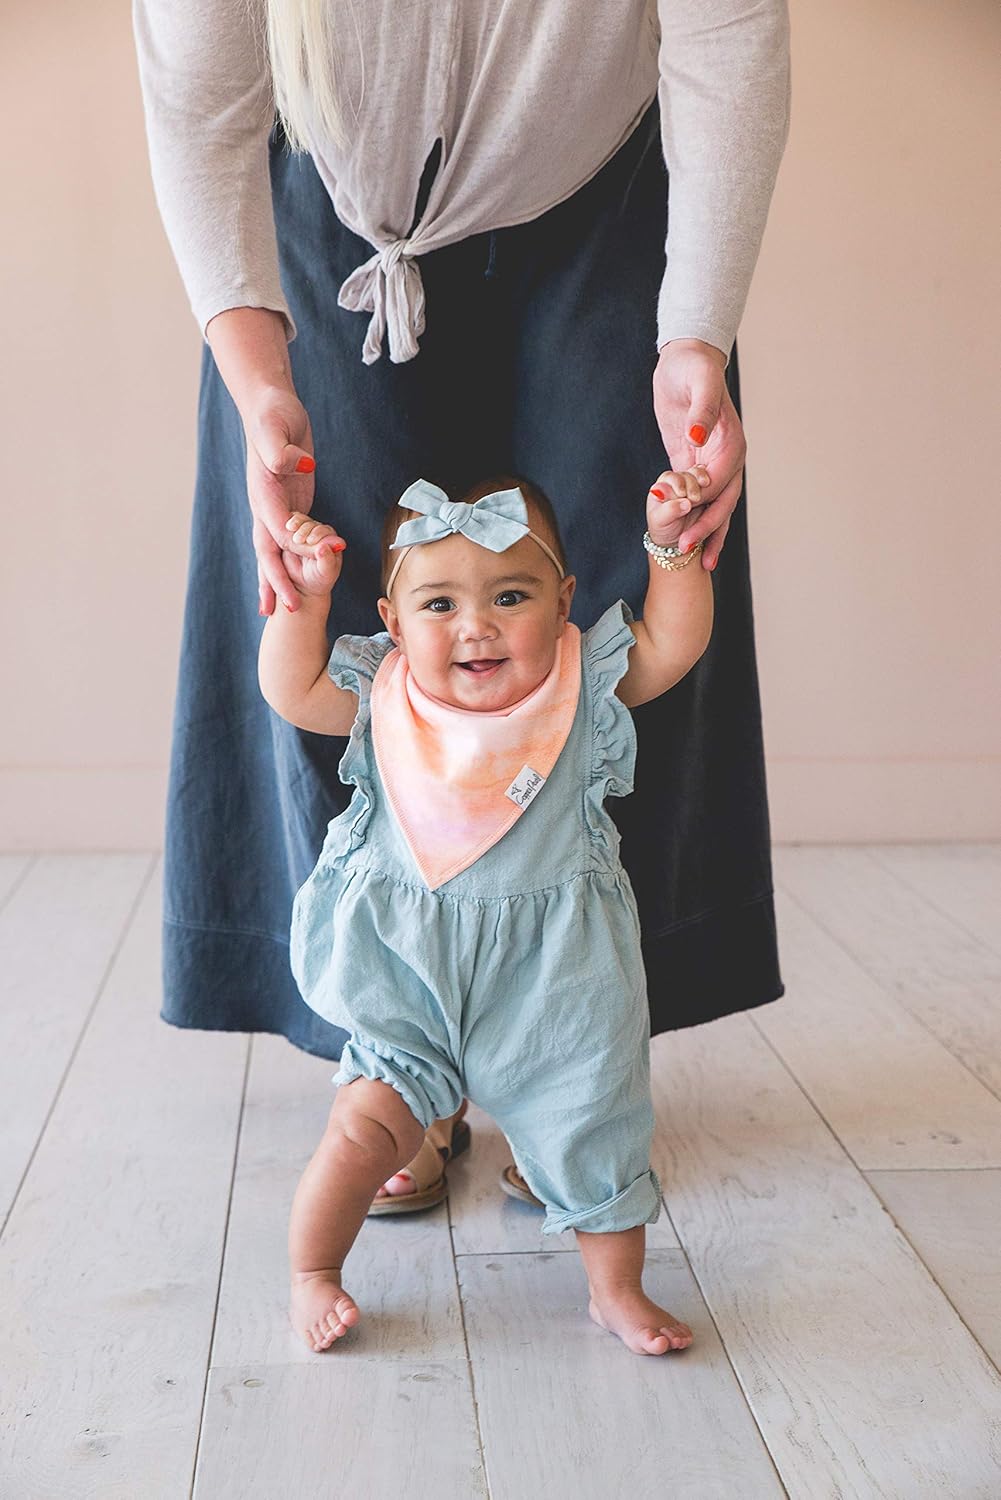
(671, 557)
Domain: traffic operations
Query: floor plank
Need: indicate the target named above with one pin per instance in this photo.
(942, 975)
(953, 1220)
(962, 880)
(58, 934)
(567, 1411)
(890, 1091)
(13, 868)
(341, 1428)
(861, 1377)
(112, 1252)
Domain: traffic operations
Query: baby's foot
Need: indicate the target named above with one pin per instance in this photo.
(642, 1326)
(320, 1310)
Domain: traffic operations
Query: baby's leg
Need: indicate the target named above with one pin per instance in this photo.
(371, 1133)
(614, 1265)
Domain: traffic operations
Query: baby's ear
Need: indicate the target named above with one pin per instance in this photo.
(388, 616)
(567, 586)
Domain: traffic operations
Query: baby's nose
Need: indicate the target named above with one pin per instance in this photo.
(476, 626)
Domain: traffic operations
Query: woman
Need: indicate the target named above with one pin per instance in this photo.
(467, 273)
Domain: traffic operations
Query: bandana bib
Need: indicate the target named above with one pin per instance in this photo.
(457, 780)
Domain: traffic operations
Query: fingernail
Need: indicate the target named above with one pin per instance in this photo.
(260, 608)
(339, 546)
(658, 493)
(288, 606)
(712, 565)
(697, 433)
(306, 465)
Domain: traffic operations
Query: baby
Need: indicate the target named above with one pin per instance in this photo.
(469, 921)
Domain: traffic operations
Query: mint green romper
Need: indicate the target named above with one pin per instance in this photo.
(519, 983)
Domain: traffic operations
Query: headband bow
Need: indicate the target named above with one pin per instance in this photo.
(496, 521)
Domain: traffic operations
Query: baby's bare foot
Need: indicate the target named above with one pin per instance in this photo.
(642, 1326)
(320, 1310)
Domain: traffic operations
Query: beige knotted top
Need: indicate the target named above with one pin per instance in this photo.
(529, 98)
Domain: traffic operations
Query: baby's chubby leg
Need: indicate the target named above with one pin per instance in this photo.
(614, 1266)
(370, 1134)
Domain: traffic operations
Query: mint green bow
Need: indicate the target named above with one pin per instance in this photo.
(495, 522)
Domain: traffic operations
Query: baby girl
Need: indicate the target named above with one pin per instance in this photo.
(469, 921)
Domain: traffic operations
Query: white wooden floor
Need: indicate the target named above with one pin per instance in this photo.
(832, 1173)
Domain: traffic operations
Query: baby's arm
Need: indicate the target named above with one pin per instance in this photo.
(292, 665)
(678, 610)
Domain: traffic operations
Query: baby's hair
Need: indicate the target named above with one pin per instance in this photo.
(535, 497)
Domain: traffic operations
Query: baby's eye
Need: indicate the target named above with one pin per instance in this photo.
(512, 594)
(431, 602)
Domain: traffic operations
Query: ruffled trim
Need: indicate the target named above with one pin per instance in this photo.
(352, 664)
(354, 661)
(606, 648)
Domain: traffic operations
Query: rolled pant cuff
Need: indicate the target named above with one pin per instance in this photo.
(639, 1203)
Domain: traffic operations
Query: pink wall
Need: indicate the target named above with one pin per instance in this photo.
(869, 355)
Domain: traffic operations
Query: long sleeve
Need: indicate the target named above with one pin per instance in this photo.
(724, 106)
(207, 98)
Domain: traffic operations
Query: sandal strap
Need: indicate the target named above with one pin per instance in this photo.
(426, 1166)
(439, 1133)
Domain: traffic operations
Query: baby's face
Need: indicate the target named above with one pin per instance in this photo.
(455, 602)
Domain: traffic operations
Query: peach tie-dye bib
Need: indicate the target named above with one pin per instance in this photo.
(457, 780)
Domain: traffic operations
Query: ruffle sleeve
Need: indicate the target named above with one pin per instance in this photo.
(605, 651)
(352, 664)
(354, 661)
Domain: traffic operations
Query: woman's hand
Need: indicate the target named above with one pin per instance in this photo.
(689, 391)
(280, 468)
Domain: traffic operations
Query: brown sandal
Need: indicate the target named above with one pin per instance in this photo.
(515, 1186)
(443, 1140)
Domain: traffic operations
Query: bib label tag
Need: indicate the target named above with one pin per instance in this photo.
(526, 785)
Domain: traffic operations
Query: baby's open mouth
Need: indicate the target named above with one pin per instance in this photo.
(482, 667)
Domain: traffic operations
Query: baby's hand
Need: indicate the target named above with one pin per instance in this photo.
(671, 502)
(316, 571)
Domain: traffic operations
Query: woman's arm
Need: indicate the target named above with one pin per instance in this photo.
(207, 98)
(724, 110)
(251, 351)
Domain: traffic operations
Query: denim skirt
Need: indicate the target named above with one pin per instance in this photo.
(537, 360)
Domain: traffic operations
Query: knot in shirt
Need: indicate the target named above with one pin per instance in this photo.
(391, 288)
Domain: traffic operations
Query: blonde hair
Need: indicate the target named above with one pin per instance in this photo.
(301, 50)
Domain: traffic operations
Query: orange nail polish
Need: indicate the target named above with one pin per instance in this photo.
(697, 433)
(658, 493)
(306, 465)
